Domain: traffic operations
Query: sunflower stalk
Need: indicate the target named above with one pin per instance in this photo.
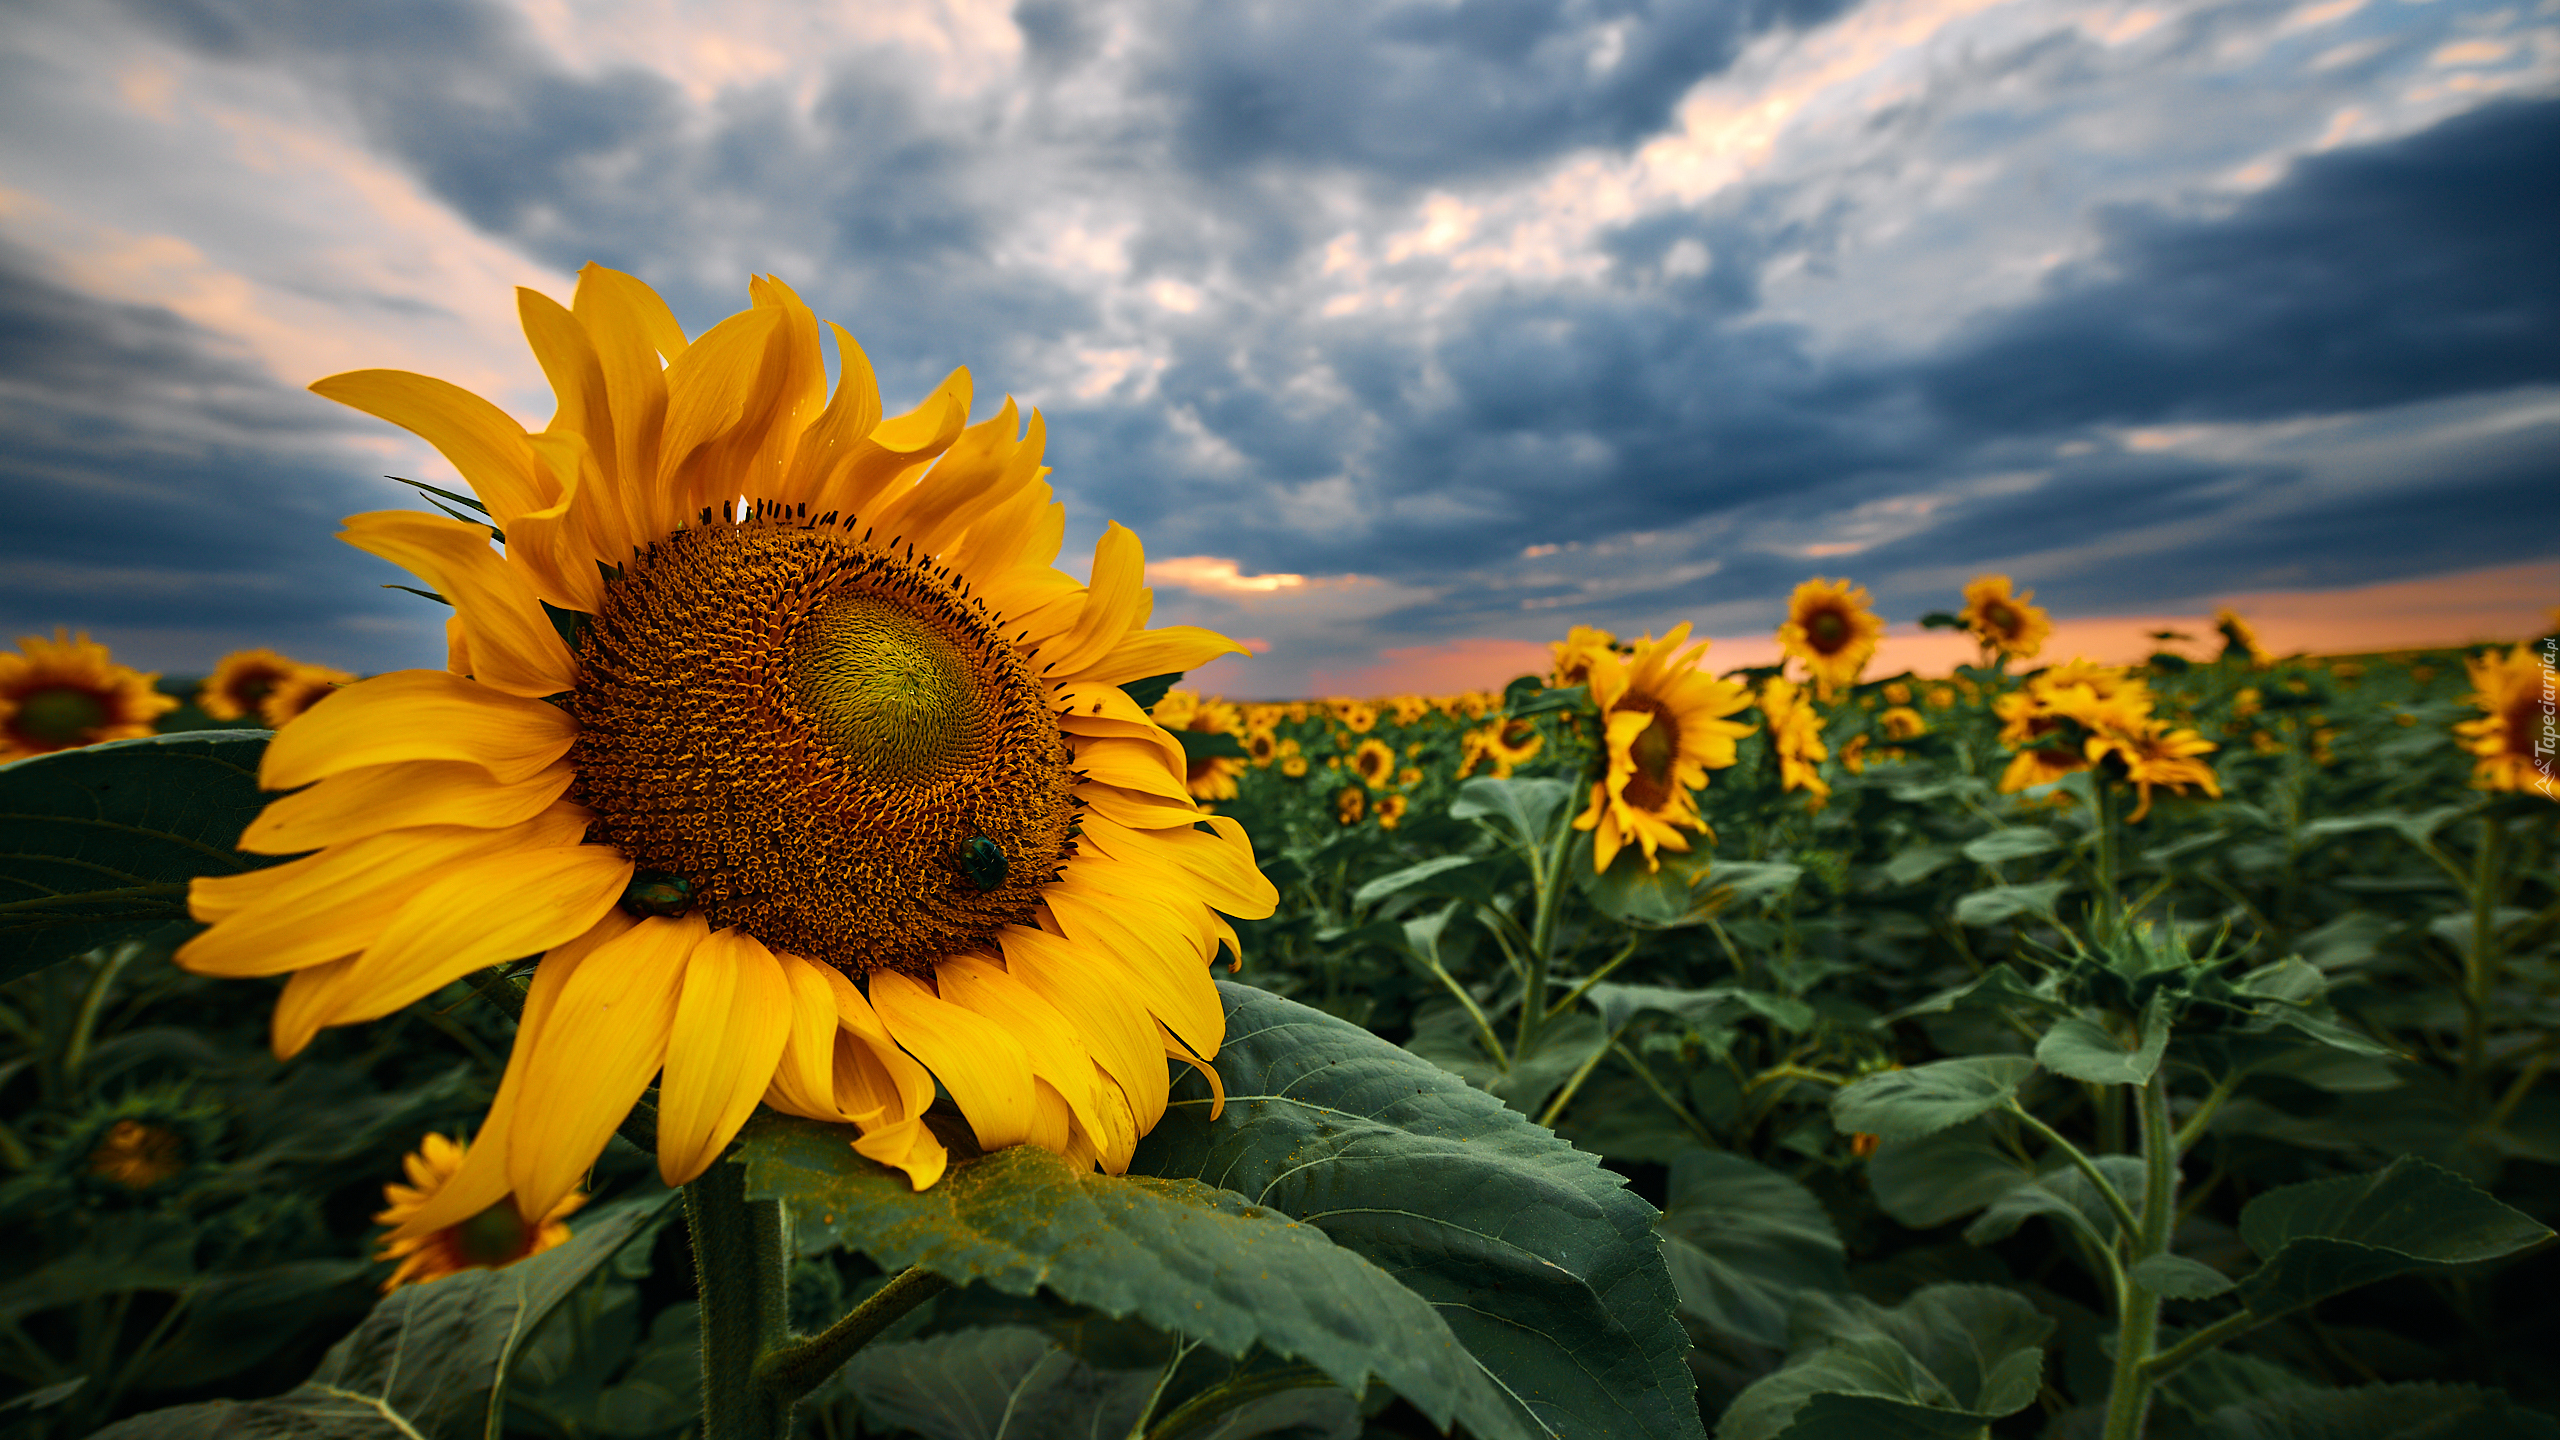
(2138, 1310)
(803, 1365)
(741, 1259)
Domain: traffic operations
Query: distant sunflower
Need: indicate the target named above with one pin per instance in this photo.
(241, 682)
(1391, 810)
(1358, 716)
(1663, 729)
(2515, 692)
(63, 693)
(2001, 621)
(1901, 722)
(493, 1239)
(832, 794)
(1408, 709)
(1261, 747)
(1349, 804)
(2151, 754)
(298, 691)
(1833, 628)
(1408, 777)
(1575, 652)
(1373, 762)
(1795, 737)
(1209, 777)
(2240, 641)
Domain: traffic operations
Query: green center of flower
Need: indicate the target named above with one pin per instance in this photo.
(891, 693)
(493, 1237)
(59, 715)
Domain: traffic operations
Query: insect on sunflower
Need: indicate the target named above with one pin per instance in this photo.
(776, 731)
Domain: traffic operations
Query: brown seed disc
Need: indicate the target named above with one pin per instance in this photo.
(813, 732)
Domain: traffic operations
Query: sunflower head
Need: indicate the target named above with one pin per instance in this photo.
(2003, 622)
(139, 1149)
(776, 730)
(489, 1239)
(1663, 727)
(1575, 652)
(2240, 641)
(297, 692)
(1901, 722)
(1349, 804)
(2512, 740)
(1833, 628)
(1390, 811)
(241, 682)
(67, 692)
(1357, 716)
(1374, 762)
(2148, 754)
(1795, 738)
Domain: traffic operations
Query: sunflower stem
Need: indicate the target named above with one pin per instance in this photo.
(804, 1364)
(1542, 938)
(740, 1261)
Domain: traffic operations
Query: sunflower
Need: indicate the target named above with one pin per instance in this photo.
(2001, 621)
(1373, 762)
(2239, 641)
(1901, 722)
(823, 790)
(1833, 629)
(492, 1239)
(63, 693)
(1261, 747)
(1663, 729)
(2152, 754)
(1408, 777)
(297, 692)
(1390, 810)
(1349, 804)
(1210, 777)
(1795, 737)
(1358, 716)
(240, 682)
(2513, 739)
(1575, 652)
(1292, 763)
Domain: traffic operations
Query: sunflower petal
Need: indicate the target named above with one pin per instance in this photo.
(512, 642)
(1165, 650)
(733, 1017)
(1098, 996)
(896, 448)
(357, 803)
(1052, 1042)
(803, 1076)
(482, 442)
(984, 1068)
(594, 1055)
(418, 715)
(450, 928)
(1117, 602)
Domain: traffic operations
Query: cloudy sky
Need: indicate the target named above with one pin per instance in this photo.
(1407, 334)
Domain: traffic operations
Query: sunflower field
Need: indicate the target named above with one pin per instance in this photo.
(798, 982)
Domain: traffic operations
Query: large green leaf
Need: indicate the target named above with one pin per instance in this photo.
(2381, 1412)
(2065, 1195)
(2083, 1049)
(103, 840)
(1183, 1256)
(1460, 875)
(1667, 891)
(1931, 1179)
(428, 1363)
(2011, 842)
(2327, 1236)
(1541, 1261)
(1743, 1242)
(1995, 903)
(1524, 811)
(1896, 1104)
(1945, 1362)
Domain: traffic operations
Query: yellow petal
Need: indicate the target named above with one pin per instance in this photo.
(493, 907)
(804, 1076)
(909, 1146)
(876, 1082)
(358, 803)
(898, 447)
(1165, 650)
(417, 715)
(594, 1055)
(513, 644)
(482, 442)
(1130, 764)
(1116, 603)
(983, 468)
(984, 1068)
(1220, 865)
(568, 359)
(631, 329)
(1100, 999)
(709, 388)
(1137, 811)
(1174, 1048)
(833, 439)
(304, 1006)
(733, 1016)
(1171, 975)
(1048, 1038)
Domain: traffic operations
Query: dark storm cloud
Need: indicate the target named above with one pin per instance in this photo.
(1425, 92)
(153, 478)
(2381, 275)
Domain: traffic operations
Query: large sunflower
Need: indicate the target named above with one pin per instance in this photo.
(67, 692)
(1833, 628)
(777, 729)
(2002, 621)
(2513, 740)
(1664, 728)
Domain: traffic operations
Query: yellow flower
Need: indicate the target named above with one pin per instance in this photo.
(2239, 642)
(834, 796)
(2514, 739)
(241, 681)
(1211, 777)
(1293, 764)
(1795, 737)
(1575, 652)
(1409, 709)
(1510, 744)
(1349, 804)
(299, 690)
(1391, 809)
(63, 693)
(1357, 716)
(1373, 762)
(1941, 697)
(1853, 754)
(1901, 722)
(492, 1239)
(136, 1155)
(1897, 693)
(1663, 729)
(1261, 746)
(2154, 755)
(1833, 629)
(1408, 777)
(2002, 621)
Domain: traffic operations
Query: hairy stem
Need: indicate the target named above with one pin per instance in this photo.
(2138, 1317)
(804, 1365)
(740, 1259)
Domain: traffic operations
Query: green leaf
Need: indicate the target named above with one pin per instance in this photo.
(1002, 1382)
(1541, 702)
(1660, 895)
(103, 840)
(2180, 1278)
(2381, 1412)
(1897, 1104)
(1566, 1043)
(1997, 990)
(1199, 745)
(1544, 1265)
(1183, 1256)
(1739, 880)
(429, 1362)
(1996, 903)
(1525, 811)
(1958, 1354)
(1743, 1242)
(1458, 875)
(2414, 827)
(1918, 863)
(1703, 1009)
(1145, 693)
(2083, 1049)
(2328, 1236)
(1930, 1180)
(2064, 1194)
(2011, 842)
